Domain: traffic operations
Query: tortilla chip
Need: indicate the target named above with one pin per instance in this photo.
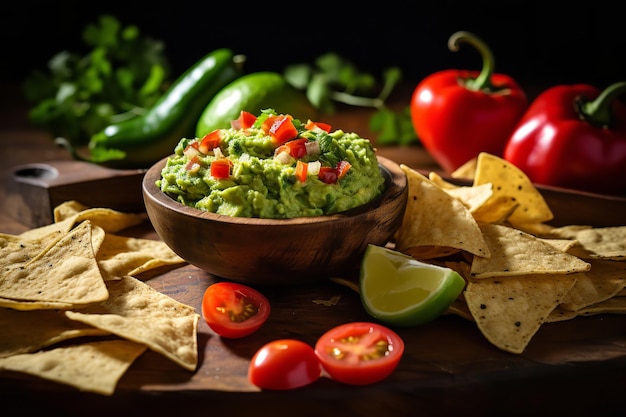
(441, 182)
(94, 367)
(68, 214)
(121, 255)
(466, 171)
(597, 242)
(473, 197)
(433, 218)
(50, 232)
(25, 332)
(509, 311)
(514, 252)
(460, 309)
(604, 280)
(112, 221)
(137, 312)
(68, 209)
(65, 272)
(23, 305)
(563, 245)
(511, 186)
(614, 305)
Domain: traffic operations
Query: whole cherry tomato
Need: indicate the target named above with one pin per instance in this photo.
(359, 353)
(284, 364)
(234, 310)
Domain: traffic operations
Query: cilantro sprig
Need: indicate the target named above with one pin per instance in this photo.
(333, 79)
(121, 76)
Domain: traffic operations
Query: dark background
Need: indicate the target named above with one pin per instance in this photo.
(534, 44)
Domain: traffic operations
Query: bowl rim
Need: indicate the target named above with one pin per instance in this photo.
(395, 185)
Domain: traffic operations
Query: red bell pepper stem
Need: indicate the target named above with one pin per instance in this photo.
(483, 81)
(598, 112)
(457, 114)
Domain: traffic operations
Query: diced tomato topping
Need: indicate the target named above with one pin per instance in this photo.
(331, 175)
(342, 168)
(297, 147)
(210, 141)
(244, 121)
(328, 175)
(301, 171)
(280, 128)
(310, 125)
(220, 168)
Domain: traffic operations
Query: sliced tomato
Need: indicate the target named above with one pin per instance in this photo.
(301, 171)
(210, 141)
(234, 310)
(244, 121)
(280, 128)
(220, 168)
(284, 364)
(310, 125)
(359, 353)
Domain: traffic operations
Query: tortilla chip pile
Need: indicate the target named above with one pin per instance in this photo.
(71, 308)
(520, 272)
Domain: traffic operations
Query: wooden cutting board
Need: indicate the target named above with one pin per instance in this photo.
(37, 188)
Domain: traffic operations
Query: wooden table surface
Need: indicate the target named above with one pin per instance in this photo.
(577, 367)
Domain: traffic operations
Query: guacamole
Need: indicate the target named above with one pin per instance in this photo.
(273, 166)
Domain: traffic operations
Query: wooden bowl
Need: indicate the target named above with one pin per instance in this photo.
(277, 251)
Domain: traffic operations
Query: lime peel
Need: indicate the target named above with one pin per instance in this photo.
(399, 290)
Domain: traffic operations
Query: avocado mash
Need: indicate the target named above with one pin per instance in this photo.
(273, 166)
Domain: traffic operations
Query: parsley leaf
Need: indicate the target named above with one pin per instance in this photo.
(121, 76)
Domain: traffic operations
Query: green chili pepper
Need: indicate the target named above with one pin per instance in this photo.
(143, 140)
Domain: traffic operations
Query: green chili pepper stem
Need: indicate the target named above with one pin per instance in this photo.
(598, 112)
(483, 81)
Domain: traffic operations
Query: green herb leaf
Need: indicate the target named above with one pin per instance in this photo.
(121, 76)
(333, 79)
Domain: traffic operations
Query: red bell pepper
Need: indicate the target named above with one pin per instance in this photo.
(573, 136)
(457, 113)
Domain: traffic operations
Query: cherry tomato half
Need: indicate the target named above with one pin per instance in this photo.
(359, 353)
(234, 310)
(284, 364)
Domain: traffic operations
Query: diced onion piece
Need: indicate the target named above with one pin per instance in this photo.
(191, 150)
(312, 147)
(314, 167)
(284, 158)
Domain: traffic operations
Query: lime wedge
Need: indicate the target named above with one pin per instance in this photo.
(399, 290)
